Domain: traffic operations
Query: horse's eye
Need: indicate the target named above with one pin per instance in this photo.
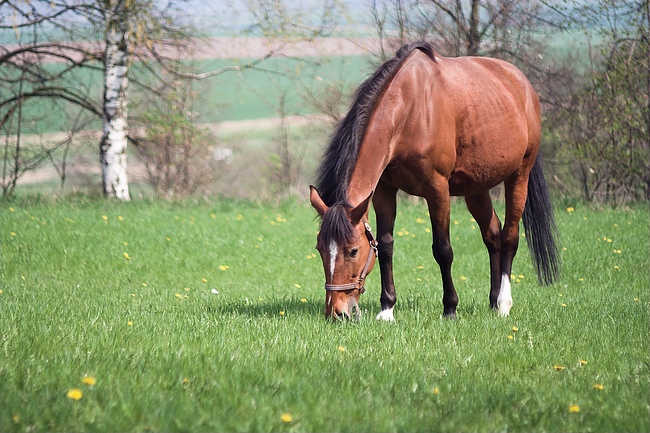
(354, 252)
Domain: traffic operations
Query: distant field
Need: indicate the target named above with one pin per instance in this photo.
(208, 317)
(251, 94)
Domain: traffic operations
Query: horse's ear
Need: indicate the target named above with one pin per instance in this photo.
(316, 201)
(358, 212)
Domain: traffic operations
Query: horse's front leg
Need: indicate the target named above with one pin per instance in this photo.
(385, 203)
(438, 202)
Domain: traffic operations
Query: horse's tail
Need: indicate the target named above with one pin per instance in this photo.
(539, 224)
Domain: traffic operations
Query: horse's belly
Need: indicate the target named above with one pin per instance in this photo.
(463, 183)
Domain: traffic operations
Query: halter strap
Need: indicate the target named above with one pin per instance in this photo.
(359, 283)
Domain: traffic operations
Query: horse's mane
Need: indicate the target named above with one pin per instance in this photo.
(333, 174)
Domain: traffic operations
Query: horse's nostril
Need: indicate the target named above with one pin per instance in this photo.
(340, 315)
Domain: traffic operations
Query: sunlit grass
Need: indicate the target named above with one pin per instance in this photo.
(183, 317)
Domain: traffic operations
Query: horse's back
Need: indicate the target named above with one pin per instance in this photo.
(495, 111)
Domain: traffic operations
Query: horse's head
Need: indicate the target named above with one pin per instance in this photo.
(348, 251)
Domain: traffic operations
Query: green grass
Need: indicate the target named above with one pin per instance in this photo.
(168, 354)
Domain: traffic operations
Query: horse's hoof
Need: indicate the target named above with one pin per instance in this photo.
(386, 315)
(504, 308)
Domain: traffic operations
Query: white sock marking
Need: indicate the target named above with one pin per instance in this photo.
(386, 315)
(504, 301)
(334, 250)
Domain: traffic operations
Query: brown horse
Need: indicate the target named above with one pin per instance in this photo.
(433, 127)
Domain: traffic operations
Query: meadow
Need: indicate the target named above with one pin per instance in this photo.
(208, 316)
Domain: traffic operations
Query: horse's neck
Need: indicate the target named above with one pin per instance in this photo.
(374, 156)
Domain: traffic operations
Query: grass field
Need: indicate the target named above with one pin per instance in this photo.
(208, 317)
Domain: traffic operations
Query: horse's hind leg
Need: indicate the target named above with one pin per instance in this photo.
(516, 189)
(385, 204)
(480, 206)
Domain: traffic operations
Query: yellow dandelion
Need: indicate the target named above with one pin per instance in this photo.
(581, 279)
(427, 230)
(13, 233)
(179, 296)
(419, 280)
(303, 300)
(515, 329)
(104, 217)
(520, 276)
(224, 267)
(419, 220)
(16, 417)
(88, 380)
(129, 323)
(615, 266)
(119, 217)
(558, 367)
(297, 285)
(168, 239)
(126, 256)
(185, 381)
(583, 362)
(75, 394)
(456, 223)
(239, 217)
(510, 337)
(204, 280)
(342, 349)
(599, 386)
(11, 209)
(286, 417)
(570, 209)
(213, 216)
(282, 313)
(125, 243)
(636, 299)
(564, 305)
(574, 408)
(144, 284)
(436, 391)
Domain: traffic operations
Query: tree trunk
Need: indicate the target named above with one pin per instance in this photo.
(473, 35)
(115, 129)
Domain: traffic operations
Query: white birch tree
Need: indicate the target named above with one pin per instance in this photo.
(113, 145)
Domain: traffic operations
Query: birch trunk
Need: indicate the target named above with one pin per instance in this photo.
(115, 129)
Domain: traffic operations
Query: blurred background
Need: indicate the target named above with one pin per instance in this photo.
(173, 99)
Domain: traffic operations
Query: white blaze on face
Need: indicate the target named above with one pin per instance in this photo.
(334, 250)
(504, 301)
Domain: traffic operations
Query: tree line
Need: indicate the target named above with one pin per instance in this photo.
(595, 96)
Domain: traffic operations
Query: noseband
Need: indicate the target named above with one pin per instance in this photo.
(359, 283)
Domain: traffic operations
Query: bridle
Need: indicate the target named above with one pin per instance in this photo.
(359, 283)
